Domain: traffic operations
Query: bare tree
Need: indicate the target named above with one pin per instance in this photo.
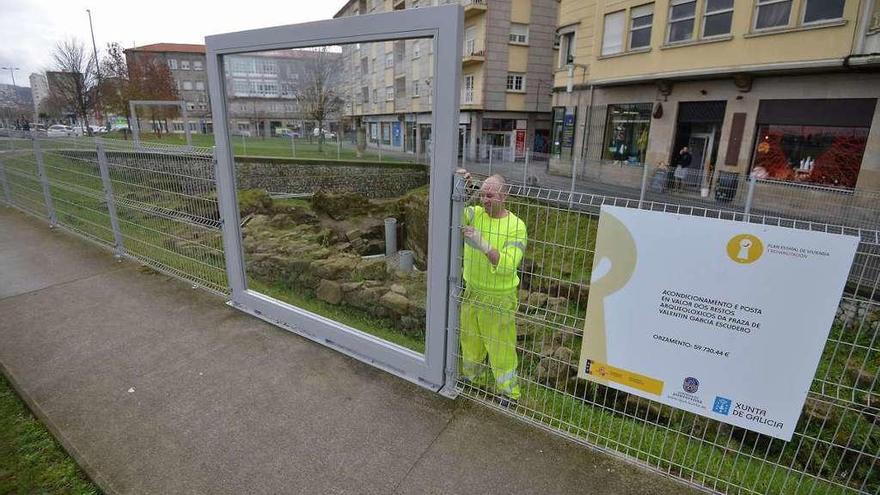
(77, 86)
(318, 92)
(144, 77)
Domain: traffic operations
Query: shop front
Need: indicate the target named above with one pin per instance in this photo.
(626, 133)
(811, 141)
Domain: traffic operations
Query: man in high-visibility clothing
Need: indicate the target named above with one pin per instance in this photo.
(495, 242)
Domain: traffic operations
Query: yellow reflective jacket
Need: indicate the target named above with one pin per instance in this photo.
(508, 236)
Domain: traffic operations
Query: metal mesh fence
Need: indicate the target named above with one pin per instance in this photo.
(156, 204)
(835, 447)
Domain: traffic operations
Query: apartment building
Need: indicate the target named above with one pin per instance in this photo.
(261, 87)
(39, 92)
(262, 90)
(785, 88)
(506, 77)
(187, 65)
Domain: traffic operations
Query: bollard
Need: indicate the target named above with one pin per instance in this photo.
(390, 236)
(405, 261)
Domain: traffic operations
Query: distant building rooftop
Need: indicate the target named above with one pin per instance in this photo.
(169, 47)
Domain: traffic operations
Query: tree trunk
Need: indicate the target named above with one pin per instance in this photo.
(360, 138)
(320, 136)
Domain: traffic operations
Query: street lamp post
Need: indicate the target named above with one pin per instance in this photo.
(11, 70)
(97, 69)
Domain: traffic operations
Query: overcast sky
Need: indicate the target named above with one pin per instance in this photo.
(29, 29)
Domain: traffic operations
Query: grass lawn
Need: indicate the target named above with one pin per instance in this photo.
(31, 461)
(273, 146)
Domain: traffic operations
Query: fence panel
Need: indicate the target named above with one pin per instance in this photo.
(166, 205)
(835, 447)
(153, 203)
(21, 175)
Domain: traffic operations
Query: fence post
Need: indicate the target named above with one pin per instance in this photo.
(644, 184)
(244, 142)
(459, 201)
(749, 195)
(573, 180)
(526, 168)
(7, 194)
(44, 181)
(292, 145)
(338, 146)
(490, 158)
(108, 196)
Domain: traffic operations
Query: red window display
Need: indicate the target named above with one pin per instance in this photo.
(819, 155)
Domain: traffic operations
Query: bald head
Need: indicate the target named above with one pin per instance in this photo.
(493, 193)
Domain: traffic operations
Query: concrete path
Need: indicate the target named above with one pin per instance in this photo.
(158, 388)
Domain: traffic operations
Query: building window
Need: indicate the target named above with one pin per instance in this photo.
(815, 141)
(200, 85)
(389, 60)
(612, 34)
(468, 90)
(172, 63)
(626, 133)
(267, 89)
(640, 22)
(718, 17)
(197, 65)
(516, 82)
(823, 10)
(386, 132)
(519, 33)
(240, 88)
(190, 106)
(470, 41)
(184, 65)
(365, 65)
(829, 156)
(566, 48)
(416, 49)
(187, 85)
(365, 95)
(681, 20)
(267, 67)
(203, 106)
(375, 95)
(389, 93)
(415, 89)
(241, 65)
(772, 13)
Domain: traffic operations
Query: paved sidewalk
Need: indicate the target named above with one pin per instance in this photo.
(158, 388)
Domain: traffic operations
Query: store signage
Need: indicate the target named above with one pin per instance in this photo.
(520, 144)
(720, 318)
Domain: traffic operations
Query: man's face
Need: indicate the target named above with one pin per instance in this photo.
(491, 196)
(684, 150)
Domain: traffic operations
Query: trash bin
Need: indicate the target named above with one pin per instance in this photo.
(725, 187)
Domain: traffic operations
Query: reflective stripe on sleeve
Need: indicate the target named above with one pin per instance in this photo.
(521, 245)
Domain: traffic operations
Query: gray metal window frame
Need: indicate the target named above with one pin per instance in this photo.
(445, 26)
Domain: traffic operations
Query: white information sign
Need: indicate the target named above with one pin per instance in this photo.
(721, 318)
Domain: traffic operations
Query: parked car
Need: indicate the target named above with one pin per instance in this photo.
(98, 129)
(59, 130)
(327, 134)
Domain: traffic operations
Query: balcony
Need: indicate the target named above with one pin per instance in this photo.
(473, 58)
(474, 7)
